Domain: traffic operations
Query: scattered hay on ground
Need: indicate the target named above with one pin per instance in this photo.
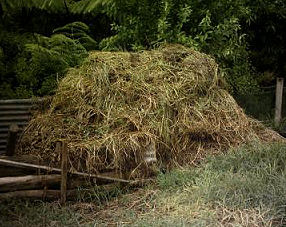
(115, 106)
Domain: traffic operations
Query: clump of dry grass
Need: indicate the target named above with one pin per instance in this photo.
(118, 103)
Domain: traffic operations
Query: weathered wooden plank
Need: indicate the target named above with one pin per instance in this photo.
(12, 172)
(9, 184)
(99, 178)
(32, 194)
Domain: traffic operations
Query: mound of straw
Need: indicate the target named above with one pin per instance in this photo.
(118, 104)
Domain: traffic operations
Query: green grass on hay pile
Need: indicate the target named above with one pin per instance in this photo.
(118, 103)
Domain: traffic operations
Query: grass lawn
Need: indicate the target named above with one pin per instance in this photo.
(245, 187)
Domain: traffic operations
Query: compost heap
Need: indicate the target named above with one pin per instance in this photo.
(117, 105)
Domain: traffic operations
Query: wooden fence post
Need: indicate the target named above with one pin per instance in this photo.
(64, 173)
(278, 100)
(12, 139)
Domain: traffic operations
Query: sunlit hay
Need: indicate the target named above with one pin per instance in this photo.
(111, 108)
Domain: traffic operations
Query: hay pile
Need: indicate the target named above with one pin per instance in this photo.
(111, 109)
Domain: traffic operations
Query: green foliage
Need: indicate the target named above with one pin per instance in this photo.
(90, 6)
(78, 31)
(146, 24)
(49, 5)
(137, 24)
(31, 64)
(226, 43)
(244, 36)
(41, 64)
(11, 43)
(2, 63)
(56, 6)
(267, 34)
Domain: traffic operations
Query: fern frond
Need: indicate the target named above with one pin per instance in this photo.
(48, 5)
(78, 31)
(70, 50)
(58, 49)
(89, 6)
(73, 27)
(55, 6)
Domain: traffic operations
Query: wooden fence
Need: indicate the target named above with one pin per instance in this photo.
(23, 177)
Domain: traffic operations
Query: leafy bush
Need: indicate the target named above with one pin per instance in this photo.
(226, 43)
(78, 31)
(41, 64)
(38, 63)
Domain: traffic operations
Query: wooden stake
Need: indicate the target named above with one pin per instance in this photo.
(12, 139)
(64, 172)
(278, 100)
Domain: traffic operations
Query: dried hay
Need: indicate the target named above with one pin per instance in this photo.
(115, 106)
